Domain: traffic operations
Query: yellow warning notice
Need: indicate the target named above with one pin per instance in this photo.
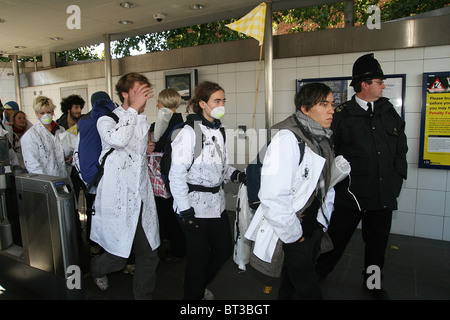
(437, 129)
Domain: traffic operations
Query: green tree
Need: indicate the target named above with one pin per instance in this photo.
(83, 53)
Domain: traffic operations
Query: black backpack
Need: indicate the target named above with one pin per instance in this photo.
(166, 159)
(253, 173)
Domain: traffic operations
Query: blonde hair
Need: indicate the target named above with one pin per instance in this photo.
(41, 103)
(170, 98)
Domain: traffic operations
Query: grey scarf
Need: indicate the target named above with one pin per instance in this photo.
(319, 137)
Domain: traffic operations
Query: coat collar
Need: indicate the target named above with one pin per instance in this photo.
(381, 106)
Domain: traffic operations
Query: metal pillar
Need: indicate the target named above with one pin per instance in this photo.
(15, 66)
(349, 13)
(108, 73)
(268, 69)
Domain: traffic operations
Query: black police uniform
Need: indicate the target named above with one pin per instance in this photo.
(376, 147)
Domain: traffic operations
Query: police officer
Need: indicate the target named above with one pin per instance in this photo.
(369, 133)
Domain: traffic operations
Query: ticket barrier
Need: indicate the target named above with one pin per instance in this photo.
(38, 244)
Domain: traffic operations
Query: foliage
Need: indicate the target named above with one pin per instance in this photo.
(395, 9)
(177, 38)
(83, 53)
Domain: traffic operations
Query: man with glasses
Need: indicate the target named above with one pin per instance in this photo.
(369, 133)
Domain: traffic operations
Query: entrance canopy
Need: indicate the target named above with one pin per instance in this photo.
(35, 27)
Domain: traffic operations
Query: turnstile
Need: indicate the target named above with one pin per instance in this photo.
(47, 261)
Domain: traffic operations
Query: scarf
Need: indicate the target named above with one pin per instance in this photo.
(319, 137)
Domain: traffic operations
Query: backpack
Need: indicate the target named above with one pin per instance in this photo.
(166, 159)
(90, 144)
(253, 173)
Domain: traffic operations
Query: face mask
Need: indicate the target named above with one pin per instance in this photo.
(217, 112)
(46, 118)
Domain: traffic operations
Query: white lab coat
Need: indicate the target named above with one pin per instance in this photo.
(125, 185)
(43, 152)
(210, 169)
(286, 187)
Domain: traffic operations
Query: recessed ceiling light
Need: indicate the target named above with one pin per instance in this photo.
(56, 38)
(196, 6)
(125, 22)
(19, 47)
(127, 5)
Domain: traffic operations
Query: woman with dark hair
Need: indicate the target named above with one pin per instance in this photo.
(196, 186)
(16, 129)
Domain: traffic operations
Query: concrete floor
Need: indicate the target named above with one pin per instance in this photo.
(415, 269)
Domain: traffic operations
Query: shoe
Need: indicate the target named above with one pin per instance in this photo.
(129, 269)
(102, 282)
(95, 250)
(208, 295)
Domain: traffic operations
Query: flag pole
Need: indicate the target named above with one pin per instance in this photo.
(256, 101)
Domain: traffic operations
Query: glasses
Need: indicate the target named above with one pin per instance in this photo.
(379, 82)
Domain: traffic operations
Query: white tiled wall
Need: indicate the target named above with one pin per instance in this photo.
(424, 203)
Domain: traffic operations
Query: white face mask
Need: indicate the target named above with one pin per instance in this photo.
(46, 118)
(217, 112)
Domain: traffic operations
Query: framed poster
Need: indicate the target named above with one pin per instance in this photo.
(183, 81)
(435, 121)
(342, 91)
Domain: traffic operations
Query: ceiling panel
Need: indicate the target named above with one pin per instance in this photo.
(32, 23)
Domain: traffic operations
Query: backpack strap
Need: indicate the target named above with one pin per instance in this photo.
(100, 171)
(301, 145)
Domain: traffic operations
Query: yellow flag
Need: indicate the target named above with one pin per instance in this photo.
(252, 24)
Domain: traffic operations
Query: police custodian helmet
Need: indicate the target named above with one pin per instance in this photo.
(366, 67)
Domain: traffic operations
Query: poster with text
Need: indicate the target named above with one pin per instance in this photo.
(342, 91)
(435, 126)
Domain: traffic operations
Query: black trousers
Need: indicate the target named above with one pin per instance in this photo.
(376, 226)
(208, 248)
(144, 278)
(298, 278)
(169, 228)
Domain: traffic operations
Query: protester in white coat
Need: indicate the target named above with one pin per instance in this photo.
(42, 149)
(125, 213)
(295, 193)
(196, 180)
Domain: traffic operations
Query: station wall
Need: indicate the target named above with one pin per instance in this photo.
(424, 203)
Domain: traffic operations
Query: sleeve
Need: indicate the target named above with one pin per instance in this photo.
(30, 153)
(277, 179)
(117, 135)
(327, 208)
(401, 164)
(229, 170)
(182, 157)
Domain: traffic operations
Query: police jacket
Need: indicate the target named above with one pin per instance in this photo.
(376, 148)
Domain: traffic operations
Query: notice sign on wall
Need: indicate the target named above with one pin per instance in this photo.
(435, 129)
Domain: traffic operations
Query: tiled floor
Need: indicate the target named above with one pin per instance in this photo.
(415, 269)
